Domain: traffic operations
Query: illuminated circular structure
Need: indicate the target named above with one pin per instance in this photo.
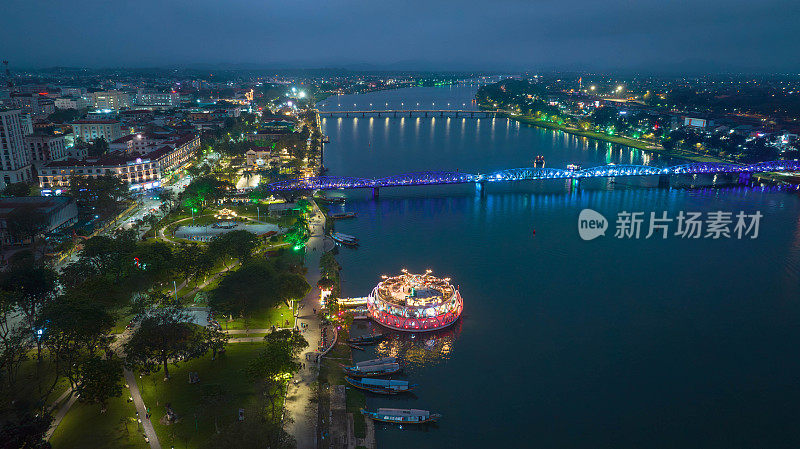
(415, 302)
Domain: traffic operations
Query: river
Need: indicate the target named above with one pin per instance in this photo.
(566, 343)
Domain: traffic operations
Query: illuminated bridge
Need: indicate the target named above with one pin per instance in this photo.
(410, 113)
(527, 174)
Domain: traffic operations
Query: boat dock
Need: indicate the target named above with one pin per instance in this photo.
(353, 302)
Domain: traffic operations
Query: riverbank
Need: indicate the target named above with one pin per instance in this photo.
(638, 144)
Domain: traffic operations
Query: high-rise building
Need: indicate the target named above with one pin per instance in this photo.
(15, 160)
(45, 148)
(111, 99)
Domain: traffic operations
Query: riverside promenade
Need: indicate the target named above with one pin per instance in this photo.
(299, 407)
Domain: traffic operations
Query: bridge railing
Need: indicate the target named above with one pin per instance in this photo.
(526, 174)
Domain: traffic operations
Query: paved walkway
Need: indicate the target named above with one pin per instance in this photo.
(61, 411)
(149, 431)
(303, 412)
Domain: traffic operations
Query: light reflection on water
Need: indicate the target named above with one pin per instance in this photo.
(565, 343)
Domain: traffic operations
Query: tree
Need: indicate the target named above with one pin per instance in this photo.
(273, 365)
(26, 222)
(75, 330)
(202, 191)
(292, 286)
(164, 335)
(32, 287)
(236, 244)
(107, 193)
(13, 341)
(112, 257)
(254, 286)
(98, 147)
(101, 379)
(17, 189)
(215, 340)
(22, 427)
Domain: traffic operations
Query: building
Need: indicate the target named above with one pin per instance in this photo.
(34, 104)
(73, 91)
(157, 100)
(45, 148)
(72, 103)
(140, 171)
(260, 157)
(91, 129)
(59, 212)
(111, 99)
(15, 159)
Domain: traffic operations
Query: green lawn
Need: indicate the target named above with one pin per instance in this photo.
(262, 320)
(185, 398)
(34, 379)
(84, 426)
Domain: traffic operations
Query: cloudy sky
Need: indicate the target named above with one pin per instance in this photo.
(700, 35)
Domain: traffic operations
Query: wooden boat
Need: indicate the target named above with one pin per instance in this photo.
(366, 339)
(371, 370)
(380, 386)
(343, 215)
(378, 361)
(402, 416)
(344, 239)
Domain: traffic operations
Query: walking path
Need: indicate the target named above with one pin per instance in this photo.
(149, 431)
(298, 402)
(61, 411)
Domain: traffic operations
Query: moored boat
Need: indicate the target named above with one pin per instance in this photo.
(330, 199)
(371, 370)
(378, 361)
(344, 239)
(365, 339)
(380, 386)
(402, 416)
(343, 215)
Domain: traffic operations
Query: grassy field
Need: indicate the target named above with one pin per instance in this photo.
(35, 378)
(196, 423)
(261, 320)
(84, 427)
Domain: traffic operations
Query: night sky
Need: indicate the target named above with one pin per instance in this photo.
(664, 35)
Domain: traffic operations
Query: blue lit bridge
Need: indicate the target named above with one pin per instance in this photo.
(411, 113)
(528, 174)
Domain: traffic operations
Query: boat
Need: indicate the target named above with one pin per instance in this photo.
(359, 370)
(574, 167)
(366, 339)
(343, 215)
(402, 416)
(378, 361)
(380, 386)
(344, 239)
(330, 199)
